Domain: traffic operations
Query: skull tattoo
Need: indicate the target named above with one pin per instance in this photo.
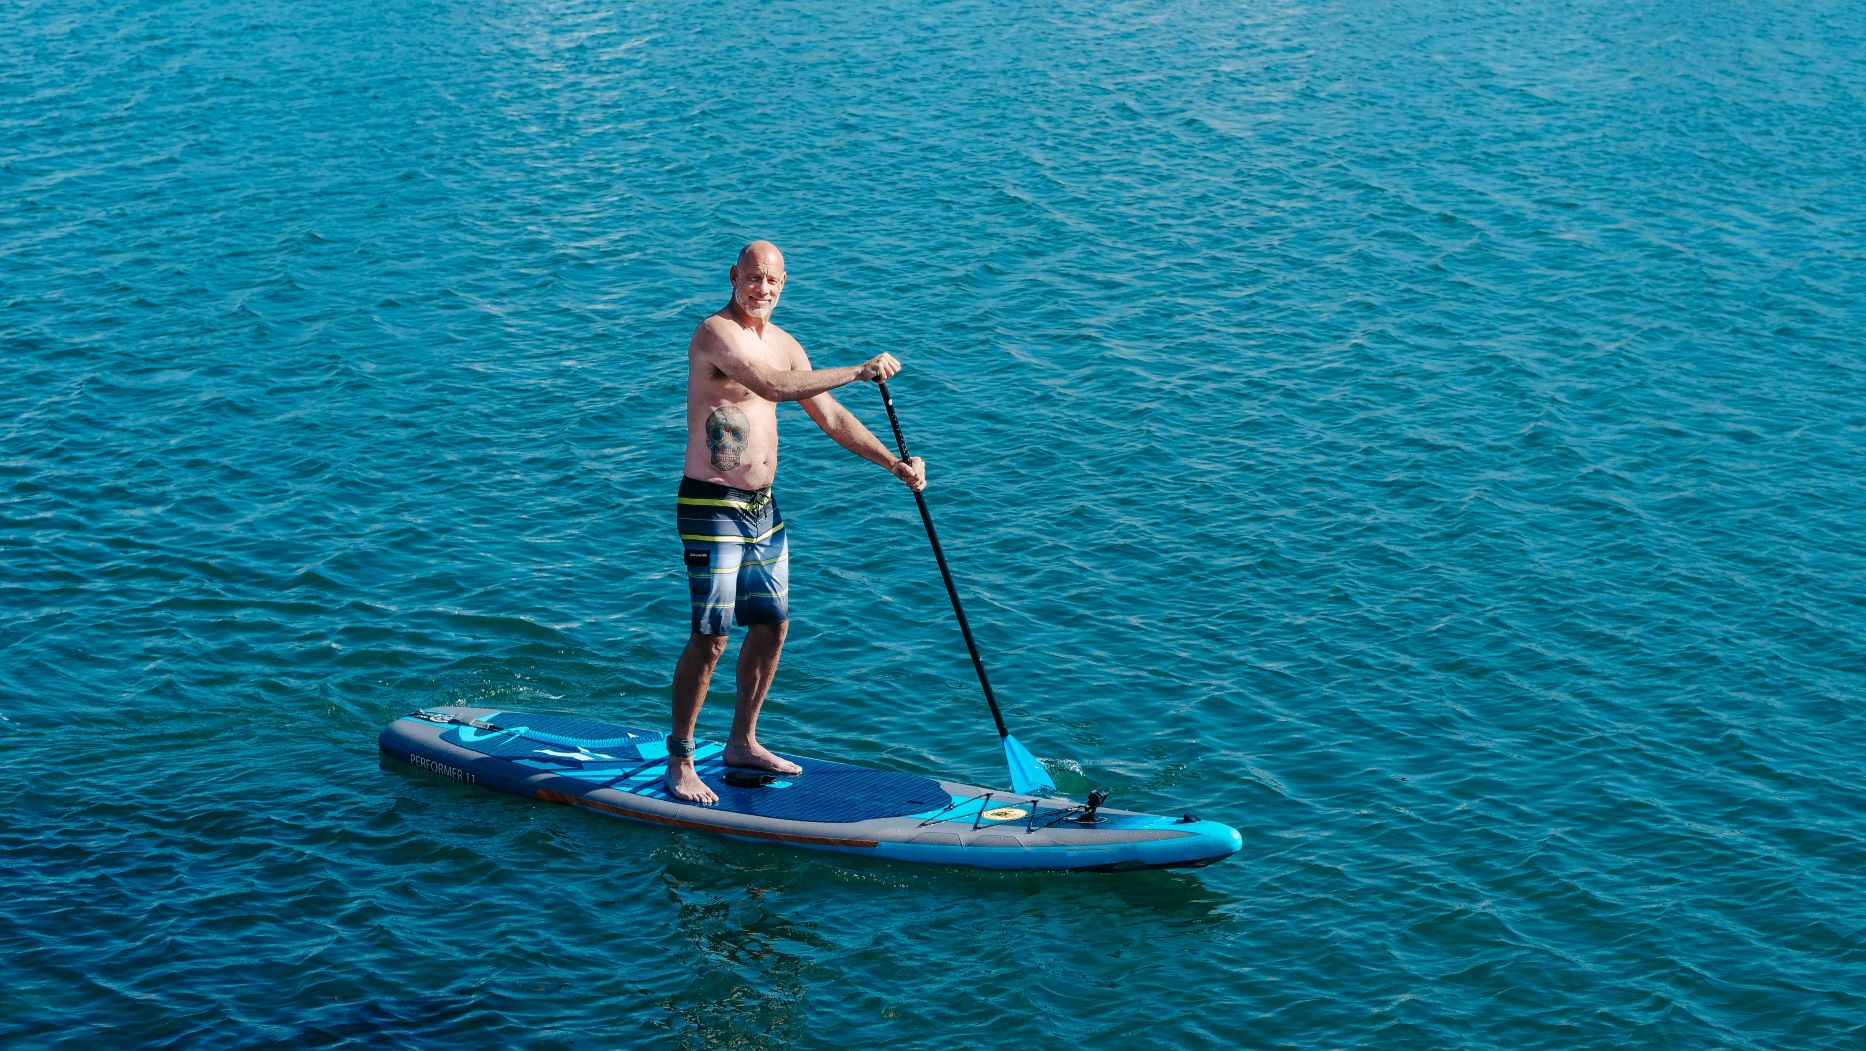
(726, 429)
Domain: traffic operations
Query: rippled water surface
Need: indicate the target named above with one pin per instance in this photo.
(1426, 437)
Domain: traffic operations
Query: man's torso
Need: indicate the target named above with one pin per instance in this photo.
(732, 434)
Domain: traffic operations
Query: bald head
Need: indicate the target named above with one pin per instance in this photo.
(760, 250)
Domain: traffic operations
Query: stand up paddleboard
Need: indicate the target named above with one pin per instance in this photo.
(617, 771)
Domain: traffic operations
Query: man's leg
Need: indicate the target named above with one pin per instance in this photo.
(691, 677)
(758, 661)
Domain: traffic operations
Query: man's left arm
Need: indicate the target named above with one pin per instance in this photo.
(839, 423)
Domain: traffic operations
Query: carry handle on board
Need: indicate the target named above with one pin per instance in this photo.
(1027, 775)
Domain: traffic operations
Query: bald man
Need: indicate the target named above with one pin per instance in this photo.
(739, 366)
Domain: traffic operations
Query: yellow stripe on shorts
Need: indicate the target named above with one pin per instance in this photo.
(759, 539)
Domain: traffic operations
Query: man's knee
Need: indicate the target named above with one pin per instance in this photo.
(767, 633)
(707, 648)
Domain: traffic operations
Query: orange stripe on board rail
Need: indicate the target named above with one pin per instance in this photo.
(547, 795)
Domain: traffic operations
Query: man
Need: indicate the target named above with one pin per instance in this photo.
(739, 366)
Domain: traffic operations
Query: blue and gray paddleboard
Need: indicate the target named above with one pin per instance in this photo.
(617, 770)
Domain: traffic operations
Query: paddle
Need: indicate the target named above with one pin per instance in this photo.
(1027, 775)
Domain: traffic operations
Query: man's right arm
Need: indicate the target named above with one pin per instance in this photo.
(773, 384)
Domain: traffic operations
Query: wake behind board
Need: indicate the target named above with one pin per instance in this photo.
(617, 771)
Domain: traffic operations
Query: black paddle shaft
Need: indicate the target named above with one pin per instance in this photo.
(952, 591)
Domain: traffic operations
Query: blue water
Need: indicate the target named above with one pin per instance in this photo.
(1427, 437)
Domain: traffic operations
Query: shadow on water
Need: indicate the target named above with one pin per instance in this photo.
(772, 929)
(750, 966)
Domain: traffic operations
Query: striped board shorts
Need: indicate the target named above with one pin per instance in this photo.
(737, 555)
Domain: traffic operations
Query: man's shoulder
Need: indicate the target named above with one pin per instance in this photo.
(714, 323)
(714, 331)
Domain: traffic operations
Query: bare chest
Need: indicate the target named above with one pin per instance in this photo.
(711, 383)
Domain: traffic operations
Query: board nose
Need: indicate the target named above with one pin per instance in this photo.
(1220, 840)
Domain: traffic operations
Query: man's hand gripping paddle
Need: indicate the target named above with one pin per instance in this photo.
(1027, 775)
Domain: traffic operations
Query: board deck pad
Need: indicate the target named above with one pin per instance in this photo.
(591, 751)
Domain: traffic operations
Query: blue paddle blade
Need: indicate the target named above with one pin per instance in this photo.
(1027, 775)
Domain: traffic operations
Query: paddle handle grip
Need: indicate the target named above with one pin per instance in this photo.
(952, 590)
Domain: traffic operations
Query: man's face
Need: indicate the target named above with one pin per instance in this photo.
(756, 281)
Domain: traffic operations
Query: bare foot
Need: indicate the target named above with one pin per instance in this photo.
(684, 784)
(757, 757)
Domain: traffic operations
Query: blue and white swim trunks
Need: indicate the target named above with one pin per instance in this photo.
(737, 555)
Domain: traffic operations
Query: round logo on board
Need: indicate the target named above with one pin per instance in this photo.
(1006, 813)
